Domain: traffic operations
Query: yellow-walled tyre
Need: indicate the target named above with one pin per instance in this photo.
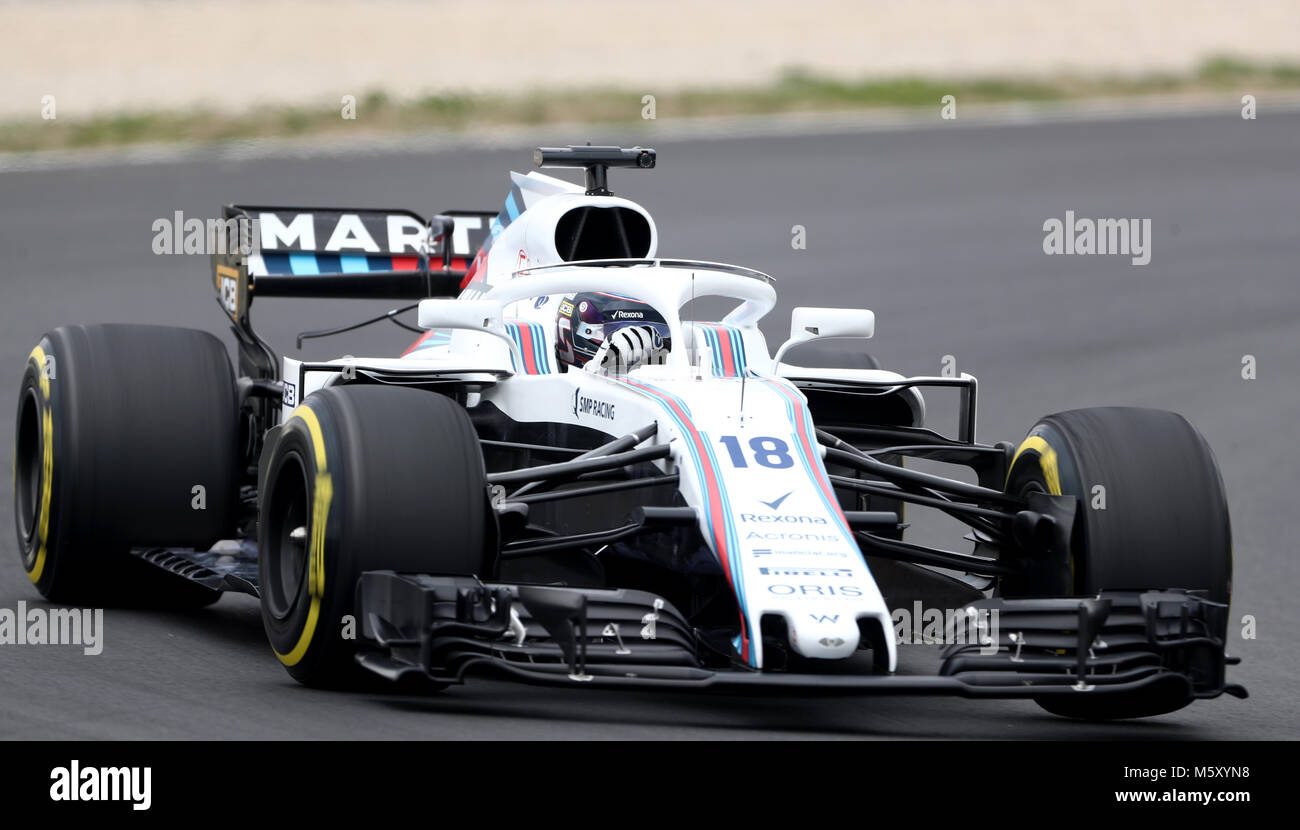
(1151, 514)
(363, 478)
(117, 425)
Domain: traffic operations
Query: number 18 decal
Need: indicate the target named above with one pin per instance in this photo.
(767, 451)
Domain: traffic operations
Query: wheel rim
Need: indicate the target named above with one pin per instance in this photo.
(28, 467)
(1031, 487)
(287, 555)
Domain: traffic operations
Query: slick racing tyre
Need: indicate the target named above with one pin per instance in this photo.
(1151, 514)
(126, 436)
(362, 478)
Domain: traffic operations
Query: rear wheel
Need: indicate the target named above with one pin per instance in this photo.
(1152, 514)
(126, 436)
(363, 478)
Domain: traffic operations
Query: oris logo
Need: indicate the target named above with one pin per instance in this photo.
(815, 590)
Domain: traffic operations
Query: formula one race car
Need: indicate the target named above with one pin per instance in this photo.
(567, 482)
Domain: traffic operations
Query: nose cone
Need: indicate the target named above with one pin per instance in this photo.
(827, 636)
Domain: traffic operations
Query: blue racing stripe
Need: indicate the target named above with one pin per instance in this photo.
(440, 337)
(729, 526)
(539, 349)
(304, 264)
(277, 263)
(738, 350)
(729, 531)
(801, 420)
(519, 346)
(711, 342)
(353, 263)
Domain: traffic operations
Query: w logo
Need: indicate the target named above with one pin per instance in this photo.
(825, 619)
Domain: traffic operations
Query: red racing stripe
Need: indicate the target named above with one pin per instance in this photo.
(807, 443)
(718, 520)
(728, 357)
(479, 263)
(526, 346)
(417, 342)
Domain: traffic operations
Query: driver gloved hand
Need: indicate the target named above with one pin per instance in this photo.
(629, 348)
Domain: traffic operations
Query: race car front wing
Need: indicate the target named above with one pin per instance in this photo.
(445, 628)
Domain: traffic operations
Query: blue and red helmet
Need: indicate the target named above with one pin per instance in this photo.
(586, 320)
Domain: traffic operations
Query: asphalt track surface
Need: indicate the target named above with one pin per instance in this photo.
(938, 230)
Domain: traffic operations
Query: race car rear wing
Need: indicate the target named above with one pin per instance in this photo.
(334, 253)
(342, 253)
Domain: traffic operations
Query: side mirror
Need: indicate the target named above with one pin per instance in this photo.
(808, 323)
(467, 315)
(481, 315)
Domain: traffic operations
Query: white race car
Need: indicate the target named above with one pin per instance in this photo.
(567, 480)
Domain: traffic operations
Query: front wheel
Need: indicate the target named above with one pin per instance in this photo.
(363, 478)
(1151, 514)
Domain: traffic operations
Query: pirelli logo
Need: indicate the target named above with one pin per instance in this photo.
(840, 572)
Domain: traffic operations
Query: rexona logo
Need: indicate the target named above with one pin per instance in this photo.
(772, 518)
(775, 504)
(583, 405)
(840, 572)
(77, 783)
(619, 314)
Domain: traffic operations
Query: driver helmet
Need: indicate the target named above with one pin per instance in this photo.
(584, 321)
